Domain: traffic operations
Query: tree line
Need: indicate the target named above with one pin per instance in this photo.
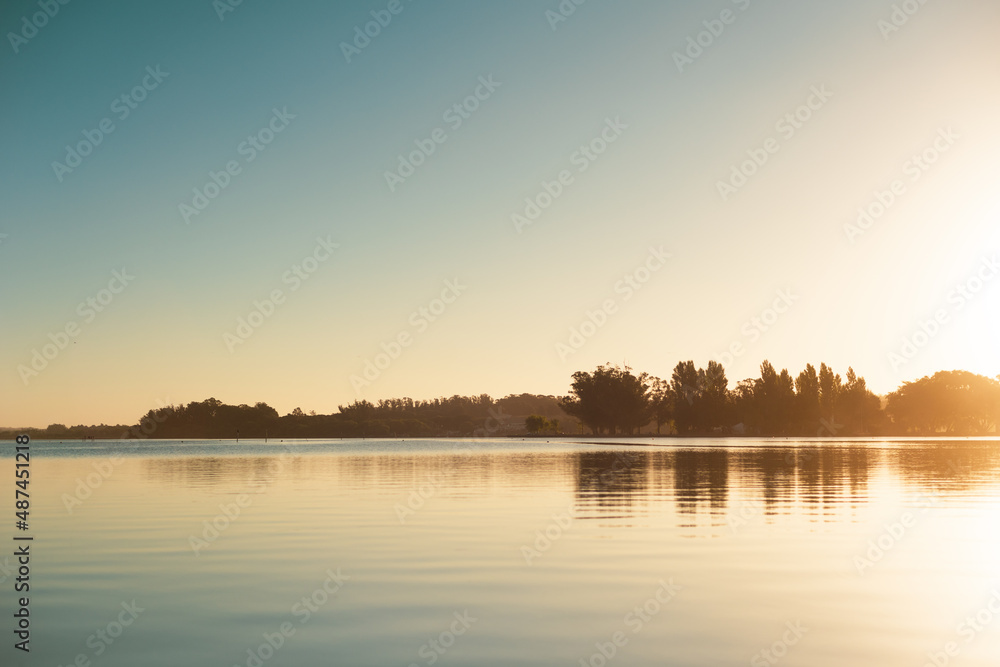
(613, 400)
(456, 416)
(610, 400)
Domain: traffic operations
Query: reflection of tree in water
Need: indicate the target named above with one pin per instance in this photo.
(769, 473)
(701, 476)
(828, 477)
(811, 478)
(952, 466)
(818, 480)
(206, 471)
(610, 483)
(457, 472)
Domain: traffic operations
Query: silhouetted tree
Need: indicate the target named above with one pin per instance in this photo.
(610, 400)
(774, 400)
(859, 409)
(829, 391)
(715, 410)
(661, 401)
(685, 390)
(952, 402)
(538, 424)
(807, 404)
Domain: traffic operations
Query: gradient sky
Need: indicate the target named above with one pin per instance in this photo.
(161, 339)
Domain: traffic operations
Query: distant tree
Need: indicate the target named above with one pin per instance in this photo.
(952, 402)
(264, 411)
(686, 392)
(860, 410)
(830, 387)
(661, 401)
(807, 404)
(358, 411)
(609, 400)
(589, 400)
(536, 424)
(774, 395)
(716, 408)
(700, 398)
(744, 403)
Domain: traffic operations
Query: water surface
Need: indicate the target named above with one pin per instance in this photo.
(452, 552)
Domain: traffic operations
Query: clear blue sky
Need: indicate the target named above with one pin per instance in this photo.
(670, 135)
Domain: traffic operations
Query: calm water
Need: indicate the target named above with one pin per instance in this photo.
(690, 552)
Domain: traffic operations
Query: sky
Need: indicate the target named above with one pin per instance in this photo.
(309, 203)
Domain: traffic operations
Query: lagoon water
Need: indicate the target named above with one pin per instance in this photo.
(474, 553)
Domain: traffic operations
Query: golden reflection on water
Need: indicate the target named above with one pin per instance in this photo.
(549, 546)
(623, 483)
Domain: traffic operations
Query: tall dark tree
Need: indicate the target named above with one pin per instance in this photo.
(807, 404)
(744, 404)
(685, 390)
(716, 408)
(774, 400)
(829, 391)
(610, 400)
(662, 402)
(860, 410)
